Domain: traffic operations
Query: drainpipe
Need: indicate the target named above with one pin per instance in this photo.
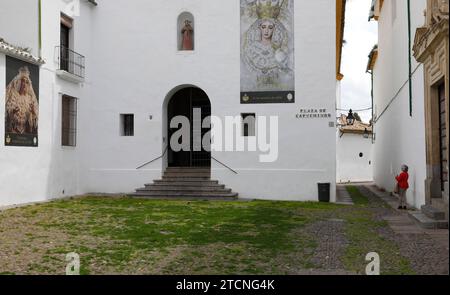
(40, 27)
(371, 97)
(410, 59)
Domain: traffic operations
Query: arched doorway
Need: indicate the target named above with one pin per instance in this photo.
(183, 103)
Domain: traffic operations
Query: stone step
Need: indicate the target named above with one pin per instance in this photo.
(185, 198)
(425, 222)
(433, 213)
(441, 205)
(187, 174)
(181, 185)
(185, 183)
(184, 194)
(196, 181)
(188, 169)
(186, 178)
(183, 189)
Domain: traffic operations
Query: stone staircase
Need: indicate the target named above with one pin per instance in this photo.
(434, 216)
(187, 183)
(441, 205)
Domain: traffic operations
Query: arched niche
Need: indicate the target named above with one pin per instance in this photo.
(186, 32)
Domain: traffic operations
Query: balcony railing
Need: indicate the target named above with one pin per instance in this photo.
(70, 61)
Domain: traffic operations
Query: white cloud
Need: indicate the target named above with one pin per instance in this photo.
(360, 36)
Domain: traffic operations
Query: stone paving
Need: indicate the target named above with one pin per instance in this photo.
(342, 195)
(427, 249)
(331, 244)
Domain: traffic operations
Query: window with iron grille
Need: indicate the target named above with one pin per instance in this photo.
(69, 121)
(127, 125)
(248, 124)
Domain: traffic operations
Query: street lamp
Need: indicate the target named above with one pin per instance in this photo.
(350, 118)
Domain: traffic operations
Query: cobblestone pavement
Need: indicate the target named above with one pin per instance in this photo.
(331, 244)
(427, 250)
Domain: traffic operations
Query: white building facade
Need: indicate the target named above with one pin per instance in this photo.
(124, 62)
(354, 152)
(399, 124)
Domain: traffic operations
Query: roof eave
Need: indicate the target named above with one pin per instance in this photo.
(16, 52)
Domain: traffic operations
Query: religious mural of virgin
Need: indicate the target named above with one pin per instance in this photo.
(22, 103)
(267, 51)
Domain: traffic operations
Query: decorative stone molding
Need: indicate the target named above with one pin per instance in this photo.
(436, 28)
(432, 49)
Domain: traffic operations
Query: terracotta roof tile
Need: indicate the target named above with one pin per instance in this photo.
(358, 127)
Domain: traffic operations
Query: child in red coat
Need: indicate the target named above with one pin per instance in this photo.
(402, 182)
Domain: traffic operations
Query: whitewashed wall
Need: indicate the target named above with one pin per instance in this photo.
(145, 51)
(350, 166)
(400, 139)
(19, 23)
(50, 170)
(133, 65)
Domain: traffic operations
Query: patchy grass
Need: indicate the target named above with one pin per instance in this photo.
(357, 197)
(138, 236)
(363, 229)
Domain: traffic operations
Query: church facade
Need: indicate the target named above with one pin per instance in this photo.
(106, 96)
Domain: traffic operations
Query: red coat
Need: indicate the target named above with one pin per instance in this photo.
(402, 180)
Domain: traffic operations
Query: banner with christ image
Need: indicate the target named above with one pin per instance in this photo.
(267, 51)
(22, 103)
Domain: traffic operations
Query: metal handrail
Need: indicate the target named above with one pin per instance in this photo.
(71, 61)
(165, 151)
(149, 162)
(234, 171)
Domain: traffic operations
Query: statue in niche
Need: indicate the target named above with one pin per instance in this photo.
(187, 31)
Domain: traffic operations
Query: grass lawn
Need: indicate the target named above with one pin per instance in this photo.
(136, 236)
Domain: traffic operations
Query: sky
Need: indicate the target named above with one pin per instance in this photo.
(360, 36)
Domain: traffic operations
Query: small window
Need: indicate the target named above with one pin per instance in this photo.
(69, 121)
(127, 125)
(248, 125)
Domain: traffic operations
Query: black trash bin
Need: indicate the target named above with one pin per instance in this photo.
(324, 192)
